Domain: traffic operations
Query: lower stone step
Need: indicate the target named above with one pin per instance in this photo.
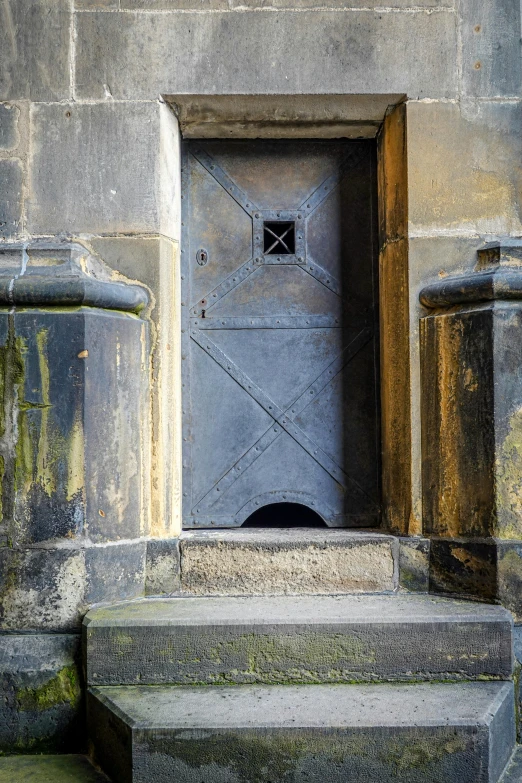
(513, 773)
(306, 639)
(424, 733)
(49, 769)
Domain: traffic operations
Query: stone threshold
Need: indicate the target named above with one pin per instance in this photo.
(278, 561)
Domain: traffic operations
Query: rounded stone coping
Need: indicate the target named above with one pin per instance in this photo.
(71, 290)
(485, 286)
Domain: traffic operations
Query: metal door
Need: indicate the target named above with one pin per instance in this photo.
(279, 335)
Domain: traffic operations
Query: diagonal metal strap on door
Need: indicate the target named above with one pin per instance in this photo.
(224, 180)
(285, 419)
(352, 158)
(309, 205)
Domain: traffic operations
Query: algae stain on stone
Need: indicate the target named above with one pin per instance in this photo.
(509, 482)
(255, 758)
(267, 658)
(63, 688)
(16, 462)
(46, 455)
(418, 752)
(41, 468)
(251, 757)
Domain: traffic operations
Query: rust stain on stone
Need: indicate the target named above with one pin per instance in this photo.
(394, 315)
(449, 338)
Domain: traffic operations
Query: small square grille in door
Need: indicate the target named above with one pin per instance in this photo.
(278, 238)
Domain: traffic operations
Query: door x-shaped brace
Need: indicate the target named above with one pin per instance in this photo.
(282, 420)
(309, 205)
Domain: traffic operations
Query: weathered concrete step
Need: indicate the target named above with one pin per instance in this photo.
(49, 769)
(513, 773)
(424, 733)
(296, 639)
(294, 561)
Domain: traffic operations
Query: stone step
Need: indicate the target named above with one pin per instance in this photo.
(292, 561)
(49, 769)
(423, 733)
(299, 639)
(513, 773)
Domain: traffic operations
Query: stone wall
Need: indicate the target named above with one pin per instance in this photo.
(89, 145)
(89, 151)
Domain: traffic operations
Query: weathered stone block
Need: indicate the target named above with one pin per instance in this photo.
(513, 773)
(84, 5)
(115, 572)
(96, 168)
(173, 5)
(412, 733)
(40, 694)
(458, 436)
(491, 48)
(464, 567)
(41, 589)
(74, 414)
(11, 176)
(471, 411)
(490, 570)
(464, 168)
(154, 263)
(35, 49)
(509, 578)
(163, 567)
(306, 639)
(9, 118)
(139, 56)
(257, 562)
(517, 646)
(51, 589)
(472, 398)
(414, 558)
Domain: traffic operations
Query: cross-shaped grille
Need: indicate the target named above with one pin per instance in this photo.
(279, 238)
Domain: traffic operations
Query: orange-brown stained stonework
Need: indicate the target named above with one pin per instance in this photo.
(394, 315)
(447, 339)
(458, 434)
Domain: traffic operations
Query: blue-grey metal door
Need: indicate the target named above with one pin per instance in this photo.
(279, 330)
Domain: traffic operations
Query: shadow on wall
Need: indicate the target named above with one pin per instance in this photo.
(284, 515)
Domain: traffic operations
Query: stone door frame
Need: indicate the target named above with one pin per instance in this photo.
(333, 116)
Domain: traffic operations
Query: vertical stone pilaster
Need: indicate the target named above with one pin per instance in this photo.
(471, 357)
(74, 429)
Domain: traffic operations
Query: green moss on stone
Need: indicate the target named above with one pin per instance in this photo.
(265, 652)
(63, 688)
(49, 769)
(420, 752)
(12, 383)
(262, 758)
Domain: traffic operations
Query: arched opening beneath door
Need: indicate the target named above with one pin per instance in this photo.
(284, 515)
